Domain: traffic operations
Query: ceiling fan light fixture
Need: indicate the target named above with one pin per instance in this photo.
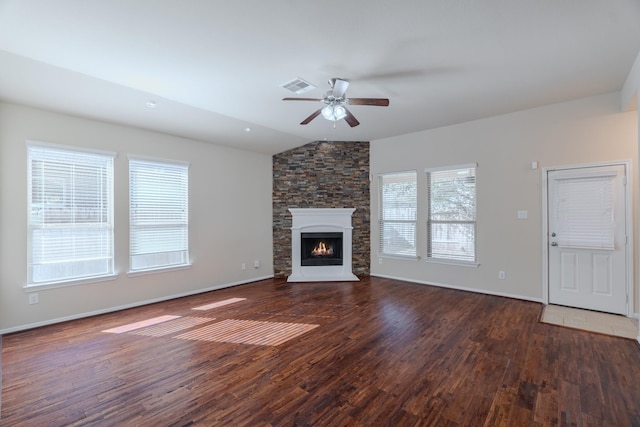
(334, 112)
(339, 112)
(327, 113)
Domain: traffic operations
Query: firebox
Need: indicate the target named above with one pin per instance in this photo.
(319, 249)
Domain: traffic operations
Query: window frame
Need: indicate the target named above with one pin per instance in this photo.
(382, 220)
(70, 194)
(136, 227)
(429, 221)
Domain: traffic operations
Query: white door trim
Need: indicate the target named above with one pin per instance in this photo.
(628, 228)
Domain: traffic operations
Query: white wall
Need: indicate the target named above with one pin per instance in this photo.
(230, 217)
(583, 131)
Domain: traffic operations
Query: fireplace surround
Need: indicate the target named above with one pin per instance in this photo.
(328, 233)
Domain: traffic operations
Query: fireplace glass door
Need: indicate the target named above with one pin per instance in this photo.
(318, 249)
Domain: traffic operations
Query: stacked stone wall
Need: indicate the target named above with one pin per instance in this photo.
(322, 174)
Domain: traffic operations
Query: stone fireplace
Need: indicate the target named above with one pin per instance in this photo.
(321, 245)
(322, 174)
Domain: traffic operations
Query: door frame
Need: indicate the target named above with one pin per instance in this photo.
(628, 193)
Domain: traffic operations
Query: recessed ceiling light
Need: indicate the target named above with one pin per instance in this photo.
(247, 129)
(152, 104)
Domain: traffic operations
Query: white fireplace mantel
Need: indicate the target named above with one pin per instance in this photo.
(321, 220)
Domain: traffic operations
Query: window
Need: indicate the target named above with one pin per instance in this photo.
(70, 208)
(398, 210)
(585, 216)
(451, 219)
(158, 214)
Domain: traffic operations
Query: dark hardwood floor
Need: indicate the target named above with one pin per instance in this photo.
(384, 353)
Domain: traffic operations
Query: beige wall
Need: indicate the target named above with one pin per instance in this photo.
(230, 202)
(230, 217)
(583, 131)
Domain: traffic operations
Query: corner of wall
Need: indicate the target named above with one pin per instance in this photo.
(321, 174)
(629, 93)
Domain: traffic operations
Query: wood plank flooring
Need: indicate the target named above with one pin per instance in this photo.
(384, 353)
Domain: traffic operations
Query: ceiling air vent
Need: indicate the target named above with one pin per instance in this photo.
(298, 86)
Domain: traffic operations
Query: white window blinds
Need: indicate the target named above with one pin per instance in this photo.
(585, 212)
(70, 205)
(451, 223)
(398, 214)
(158, 214)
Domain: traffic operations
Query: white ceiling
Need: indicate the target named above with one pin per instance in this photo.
(215, 67)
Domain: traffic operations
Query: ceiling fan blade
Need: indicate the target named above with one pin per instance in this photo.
(350, 119)
(311, 117)
(339, 87)
(380, 102)
(301, 99)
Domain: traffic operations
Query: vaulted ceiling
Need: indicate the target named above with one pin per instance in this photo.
(215, 68)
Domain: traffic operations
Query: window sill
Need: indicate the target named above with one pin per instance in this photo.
(401, 257)
(53, 285)
(158, 270)
(452, 262)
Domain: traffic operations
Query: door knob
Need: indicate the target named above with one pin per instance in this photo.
(554, 244)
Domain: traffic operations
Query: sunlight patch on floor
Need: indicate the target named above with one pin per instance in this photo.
(141, 324)
(172, 326)
(248, 332)
(229, 330)
(218, 304)
(592, 321)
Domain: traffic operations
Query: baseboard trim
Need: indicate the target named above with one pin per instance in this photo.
(127, 306)
(460, 288)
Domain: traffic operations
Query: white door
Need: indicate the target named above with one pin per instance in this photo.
(587, 238)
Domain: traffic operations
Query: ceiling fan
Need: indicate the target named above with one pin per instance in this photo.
(335, 103)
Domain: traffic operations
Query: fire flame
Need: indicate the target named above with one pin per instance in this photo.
(321, 249)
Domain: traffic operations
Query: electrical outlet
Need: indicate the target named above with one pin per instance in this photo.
(256, 264)
(33, 298)
(502, 275)
(244, 265)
